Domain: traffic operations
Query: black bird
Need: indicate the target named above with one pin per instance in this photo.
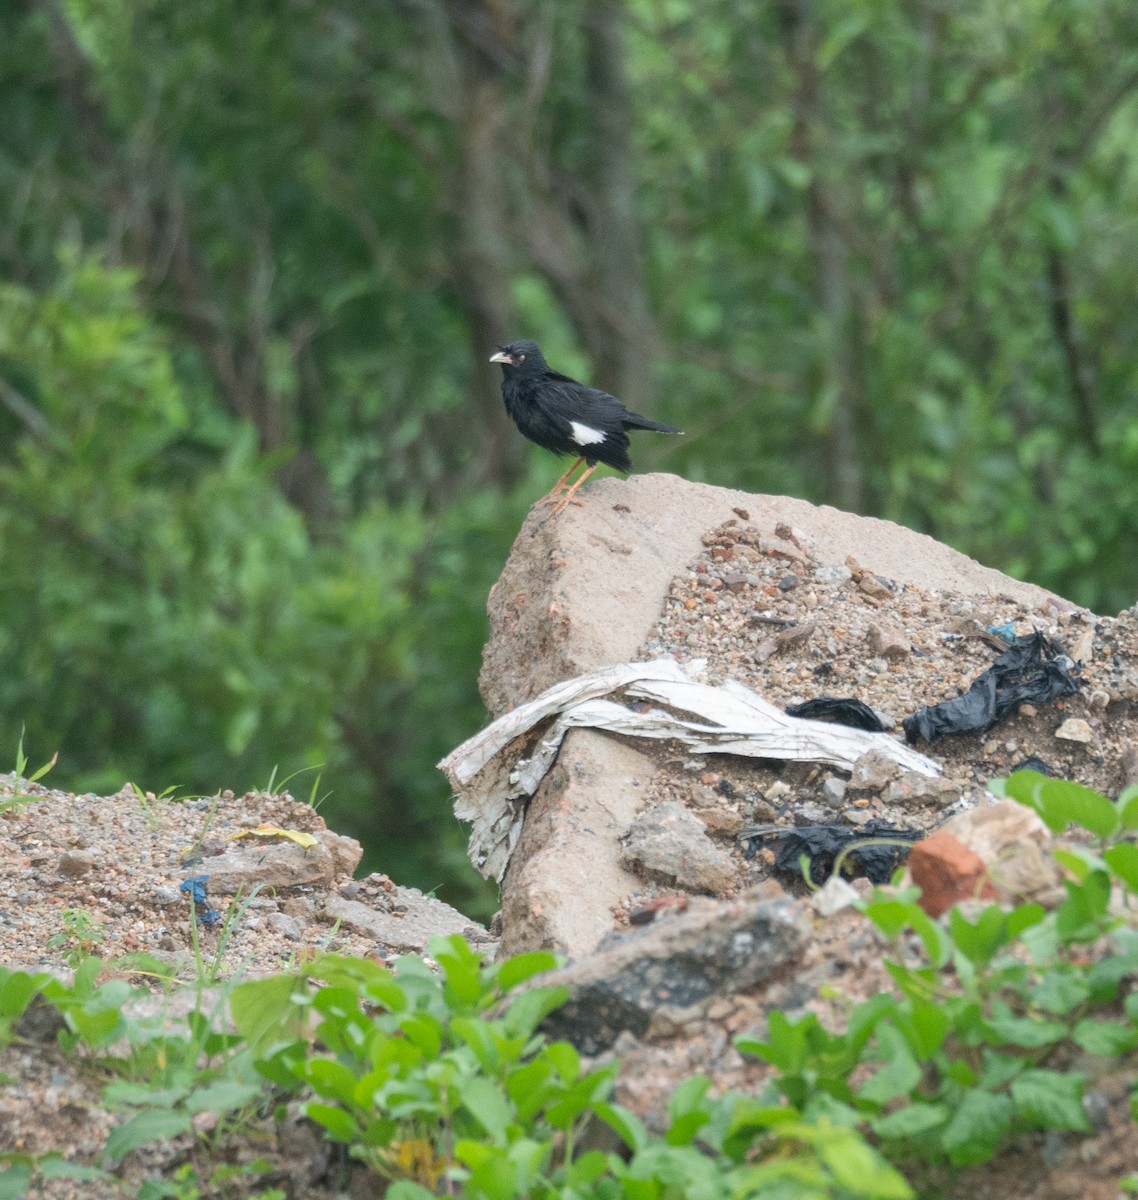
(565, 416)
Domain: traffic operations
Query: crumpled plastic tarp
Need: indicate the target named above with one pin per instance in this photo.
(1032, 670)
(494, 772)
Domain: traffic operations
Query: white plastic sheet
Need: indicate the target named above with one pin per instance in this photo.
(494, 772)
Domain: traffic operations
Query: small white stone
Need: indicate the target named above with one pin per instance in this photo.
(834, 895)
(1075, 729)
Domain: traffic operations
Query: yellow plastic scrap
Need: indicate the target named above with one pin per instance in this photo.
(268, 830)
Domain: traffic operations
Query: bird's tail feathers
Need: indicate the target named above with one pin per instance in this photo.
(635, 421)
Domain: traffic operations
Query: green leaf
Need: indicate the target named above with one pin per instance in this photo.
(153, 1125)
(1051, 1099)
(1127, 806)
(1028, 1032)
(524, 966)
(461, 965)
(1061, 990)
(15, 1181)
(1106, 1038)
(264, 1010)
(861, 1169)
(564, 1059)
(787, 1047)
(1023, 918)
(1122, 858)
(17, 988)
(488, 1105)
(926, 1028)
(625, 1124)
(976, 1128)
(979, 942)
(900, 1072)
(338, 1123)
(405, 1189)
(1080, 916)
(910, 1121)
(224, 1096)
(528, 1010)
(1061, 802)
(330, 1079)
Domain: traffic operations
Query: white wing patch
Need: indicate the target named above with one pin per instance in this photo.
(586, 435)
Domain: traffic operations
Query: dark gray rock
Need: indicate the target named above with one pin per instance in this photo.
(712, 949)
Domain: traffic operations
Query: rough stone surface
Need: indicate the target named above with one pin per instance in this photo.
(709, 950)
(583, 589)
(947, 872)
(1014, 844)
(873, 772)
(669, 842)
(405, 923)
(586, 588)
(567, 871)
(278, 865)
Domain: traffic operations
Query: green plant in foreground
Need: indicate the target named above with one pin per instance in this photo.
(441, 1082)
(974, 1044)
(18, 795)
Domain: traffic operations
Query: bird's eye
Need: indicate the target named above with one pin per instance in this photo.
(521, 358)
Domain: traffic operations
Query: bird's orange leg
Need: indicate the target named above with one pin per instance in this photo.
(564, 501)
(551, 495)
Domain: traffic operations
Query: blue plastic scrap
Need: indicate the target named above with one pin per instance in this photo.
(195, 887)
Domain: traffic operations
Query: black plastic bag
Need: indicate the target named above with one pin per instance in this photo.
(1028, 672)
(841, 711)
(821, 845)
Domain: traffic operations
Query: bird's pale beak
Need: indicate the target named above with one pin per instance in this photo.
(502, 357)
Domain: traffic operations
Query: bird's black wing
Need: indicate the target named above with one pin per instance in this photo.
(572, 401)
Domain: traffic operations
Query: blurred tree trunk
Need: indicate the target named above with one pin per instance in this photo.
(583, 233)
(623, 345)
(153, 226)
(483, 33)
(830, 256)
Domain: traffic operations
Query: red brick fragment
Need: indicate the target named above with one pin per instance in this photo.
(947, 871)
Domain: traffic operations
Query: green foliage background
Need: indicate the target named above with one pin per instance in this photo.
(255, 480)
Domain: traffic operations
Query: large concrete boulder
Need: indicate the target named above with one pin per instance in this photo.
(586, 588)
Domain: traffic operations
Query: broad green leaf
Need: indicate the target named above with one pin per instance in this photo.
(488, 1105)
(979, 941)
(1122, 858)
(1080, 916)
(524, 966)
(150, 1126)
(625, 1124)
(911, 1121)
(976, 1127)
(264, 1010)
(15, 1181)
(1028, 1032)
(1127, 806)
(338, 1123)
(1106, 1038)
(926, 1028)
(1061, 990)
(1051, 1099)
(859, 1168)
(1061, 802)
(900, 1072)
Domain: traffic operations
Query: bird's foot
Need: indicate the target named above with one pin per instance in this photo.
(561, 503)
